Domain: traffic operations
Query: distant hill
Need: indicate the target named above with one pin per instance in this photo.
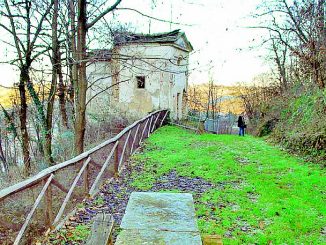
(10, 95)
(226, 98)
(7, 95)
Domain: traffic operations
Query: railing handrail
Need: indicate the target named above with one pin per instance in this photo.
(50, 170)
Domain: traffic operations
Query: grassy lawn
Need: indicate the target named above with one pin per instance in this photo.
(261, 194)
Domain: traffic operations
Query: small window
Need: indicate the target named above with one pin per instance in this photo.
(179, 60)
(140, 81)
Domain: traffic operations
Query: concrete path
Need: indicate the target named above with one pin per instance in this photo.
(159, 218)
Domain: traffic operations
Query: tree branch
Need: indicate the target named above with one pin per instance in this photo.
(13, 32)
(103, 90)
(109, 9)
(39, 27)
(151, 17)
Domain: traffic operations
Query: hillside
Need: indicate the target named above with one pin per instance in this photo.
(297, 121)
(10, 95)
(6, 96)
(227, 98)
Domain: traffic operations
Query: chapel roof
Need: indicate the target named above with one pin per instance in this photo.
(172, 37)
(175, 37)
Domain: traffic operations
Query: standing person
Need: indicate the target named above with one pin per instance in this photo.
(241, 125)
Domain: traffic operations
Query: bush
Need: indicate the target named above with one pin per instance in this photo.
(298, 122)
(267, 127)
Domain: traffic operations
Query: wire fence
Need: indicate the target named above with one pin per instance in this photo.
(218, 123)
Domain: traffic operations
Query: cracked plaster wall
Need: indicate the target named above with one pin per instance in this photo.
(165, 69)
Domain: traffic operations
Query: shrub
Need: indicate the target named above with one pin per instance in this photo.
(298, 122)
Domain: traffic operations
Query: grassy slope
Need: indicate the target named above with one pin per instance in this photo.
(302, 125)
(265, 194)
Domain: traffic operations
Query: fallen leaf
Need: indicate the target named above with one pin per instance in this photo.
(261, 224)
(72, 218)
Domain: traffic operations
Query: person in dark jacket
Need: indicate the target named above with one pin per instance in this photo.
(241, 125)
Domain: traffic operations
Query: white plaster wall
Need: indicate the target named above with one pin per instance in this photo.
(99, 79)
(164, 79)
(180, 82)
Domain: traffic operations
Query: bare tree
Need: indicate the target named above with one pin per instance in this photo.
(25, 38)
(55, 61)
(297, 29)
(81, 88)
(280, 57)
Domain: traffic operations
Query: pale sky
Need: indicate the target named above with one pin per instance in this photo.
(217, 33)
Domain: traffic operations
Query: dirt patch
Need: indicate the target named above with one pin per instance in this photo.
(172, 181)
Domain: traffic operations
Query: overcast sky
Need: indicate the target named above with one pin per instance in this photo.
(217, 32)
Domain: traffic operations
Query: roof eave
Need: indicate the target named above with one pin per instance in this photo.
(183, 35)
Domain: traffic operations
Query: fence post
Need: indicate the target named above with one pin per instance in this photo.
(134, 139)
(162, 121)
(72, 187)
(86, 180)
(150, 126)
(31, 213)
(131, 139)
(116, 160)
(103, 168)
(144, 129)
(48, 206)
(154, 124)
(123, 151)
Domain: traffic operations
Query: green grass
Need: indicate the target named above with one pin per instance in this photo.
(75, 235)
(267, 194)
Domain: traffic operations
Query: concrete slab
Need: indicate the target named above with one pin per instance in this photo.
(156, 237)
(159, 218)
(161, 211)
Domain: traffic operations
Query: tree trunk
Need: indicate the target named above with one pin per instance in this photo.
(80, 93)
(322, 43)
(61, 93)
(38, 134)
(24, 77)
(49, 111)
(81, 88)
(2, 155)
(42, 120)
(73, 64)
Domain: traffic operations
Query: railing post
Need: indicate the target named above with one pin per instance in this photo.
(150, 126)
(116, 159)
(48, 206)
(105, 165)
(30, 214)
(144, 129)
(134, 140)
(154, 124)
(72, 187)
(131, 140)
(86, 180)
(123, 151)
(166, 113)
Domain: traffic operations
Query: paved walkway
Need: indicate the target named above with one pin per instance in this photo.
(159, 218)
